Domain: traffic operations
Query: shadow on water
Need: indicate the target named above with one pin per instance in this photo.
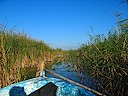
(28, 73)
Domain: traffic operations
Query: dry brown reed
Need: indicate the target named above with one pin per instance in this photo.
(18, 52)
(40, 68)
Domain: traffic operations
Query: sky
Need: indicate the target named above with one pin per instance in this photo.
(64, 24)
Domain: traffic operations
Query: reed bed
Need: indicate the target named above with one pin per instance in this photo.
(106, 59)
(17, 52)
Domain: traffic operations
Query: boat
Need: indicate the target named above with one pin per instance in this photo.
(45, 86)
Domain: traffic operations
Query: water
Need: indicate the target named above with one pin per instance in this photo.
(67, 71)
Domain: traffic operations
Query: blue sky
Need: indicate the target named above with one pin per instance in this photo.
(62, 24)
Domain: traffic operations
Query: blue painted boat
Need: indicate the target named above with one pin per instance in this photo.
(28, 87)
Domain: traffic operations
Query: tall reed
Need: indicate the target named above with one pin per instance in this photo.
(106, 59)
(17, 52)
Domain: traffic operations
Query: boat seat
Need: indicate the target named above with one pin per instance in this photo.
(47, 90)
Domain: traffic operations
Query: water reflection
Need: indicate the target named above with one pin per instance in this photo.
(67, 71)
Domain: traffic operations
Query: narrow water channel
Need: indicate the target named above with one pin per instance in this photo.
(64, 69)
